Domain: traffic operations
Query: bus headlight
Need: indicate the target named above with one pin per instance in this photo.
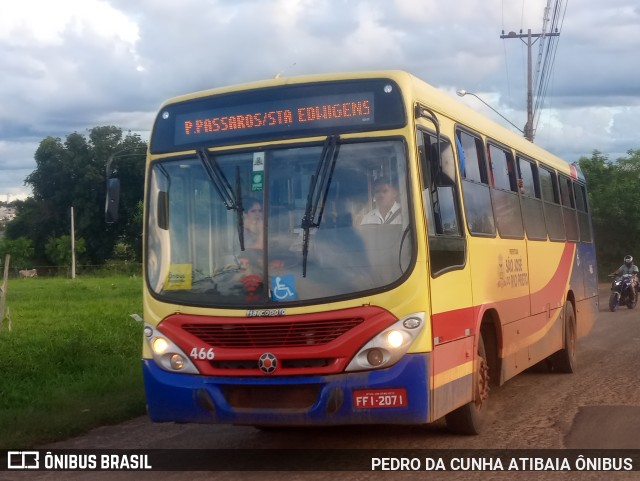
(375, 357)
(177, 362)
(159, 346)
(395, 339)
(388, 346)
(166, 353)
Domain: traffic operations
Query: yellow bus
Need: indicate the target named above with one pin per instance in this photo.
(350, 249)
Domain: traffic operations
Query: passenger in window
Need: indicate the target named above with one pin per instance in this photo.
(253, 224)
(280, 246)
(387, 209)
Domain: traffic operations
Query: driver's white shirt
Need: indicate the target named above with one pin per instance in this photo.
(375, 217)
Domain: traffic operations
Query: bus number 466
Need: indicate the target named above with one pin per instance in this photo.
(202, 354)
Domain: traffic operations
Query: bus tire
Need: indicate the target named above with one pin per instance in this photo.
(470, 418)
(564, 361)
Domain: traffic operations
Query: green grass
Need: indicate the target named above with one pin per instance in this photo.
(71, 361)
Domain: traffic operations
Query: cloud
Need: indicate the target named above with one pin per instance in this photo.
(71, 65)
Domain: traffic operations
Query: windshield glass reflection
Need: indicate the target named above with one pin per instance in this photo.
(194, 250)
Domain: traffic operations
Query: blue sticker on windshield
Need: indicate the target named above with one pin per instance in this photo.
(283, 288)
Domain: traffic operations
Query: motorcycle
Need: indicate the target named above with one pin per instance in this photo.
(622, 292)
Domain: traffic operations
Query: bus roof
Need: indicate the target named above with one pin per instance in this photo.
(415, 90)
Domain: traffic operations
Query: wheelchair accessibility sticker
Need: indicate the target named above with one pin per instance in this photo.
(283, 288)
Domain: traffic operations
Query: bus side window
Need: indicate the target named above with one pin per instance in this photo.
(552, 207)
(532, 209)
(506, 201)
(529, 178)
(472, 151)
(440, 201)
(475, 185)
(566, 192)
(583, 212)
(568, 208)
(503, 169)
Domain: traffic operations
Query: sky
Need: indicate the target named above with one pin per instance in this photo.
(70, 65)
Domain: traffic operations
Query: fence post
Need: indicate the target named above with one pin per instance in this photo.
(73, 247)
(3, 288)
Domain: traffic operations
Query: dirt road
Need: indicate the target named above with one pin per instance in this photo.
(597, 407)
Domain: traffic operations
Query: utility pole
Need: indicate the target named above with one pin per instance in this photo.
(528, 128)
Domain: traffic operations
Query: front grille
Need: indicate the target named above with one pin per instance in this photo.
(284, 363)
(271, 334)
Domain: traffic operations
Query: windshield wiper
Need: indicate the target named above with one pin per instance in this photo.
(318, 192)
(239, 209)
(232, 200)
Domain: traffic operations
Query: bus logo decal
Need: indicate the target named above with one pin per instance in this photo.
(268, 363)
(265, 312)
(251, 284)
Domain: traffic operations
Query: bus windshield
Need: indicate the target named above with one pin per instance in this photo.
(242, 245)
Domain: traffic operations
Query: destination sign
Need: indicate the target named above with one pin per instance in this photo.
(277, 113)
(276, 116)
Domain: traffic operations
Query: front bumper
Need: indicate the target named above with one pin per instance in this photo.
(287, 400)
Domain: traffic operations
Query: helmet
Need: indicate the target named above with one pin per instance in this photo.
(628, 260)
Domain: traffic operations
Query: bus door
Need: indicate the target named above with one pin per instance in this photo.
(452, 315)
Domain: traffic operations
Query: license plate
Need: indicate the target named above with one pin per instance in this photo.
(379, 398)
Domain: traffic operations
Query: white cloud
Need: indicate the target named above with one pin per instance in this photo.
(16, 162)
(37, 23)
(71, 65)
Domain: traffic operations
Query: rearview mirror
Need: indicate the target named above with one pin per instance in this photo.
(163, 210)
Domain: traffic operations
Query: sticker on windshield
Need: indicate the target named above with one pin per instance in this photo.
(257, 173)
(178, 277)
(283, 288)
(257, 182)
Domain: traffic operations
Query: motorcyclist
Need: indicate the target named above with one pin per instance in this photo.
(628, 268)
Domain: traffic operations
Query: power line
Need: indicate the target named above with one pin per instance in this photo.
(506, 64)
(546, 57)
(544, 74)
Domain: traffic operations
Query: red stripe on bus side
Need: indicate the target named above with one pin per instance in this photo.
(553, 293)
(452, 325)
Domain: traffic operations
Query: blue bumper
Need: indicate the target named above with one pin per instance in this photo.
(199, 399)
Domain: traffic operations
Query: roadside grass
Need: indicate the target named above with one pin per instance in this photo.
(71, 361)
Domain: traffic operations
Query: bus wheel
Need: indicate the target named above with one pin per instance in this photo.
(470, 418)
(565, 360)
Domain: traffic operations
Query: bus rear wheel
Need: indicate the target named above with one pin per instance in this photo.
(564, 361)
(470, 418)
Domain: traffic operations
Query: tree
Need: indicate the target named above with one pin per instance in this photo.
(58, 249)
(20, 250)
(29, 223)
(73, 174)
(615, 206)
